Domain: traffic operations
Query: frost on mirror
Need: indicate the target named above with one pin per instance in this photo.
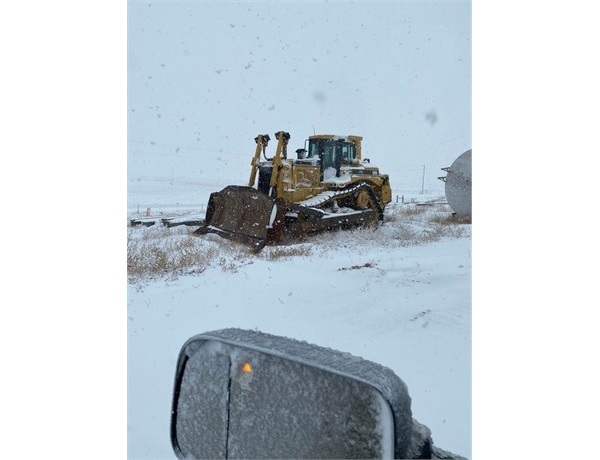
(202, 409)
(242, 400)
(284, 409)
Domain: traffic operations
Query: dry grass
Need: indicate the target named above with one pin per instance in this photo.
(402, 213)
(411, 224)
(161, 252)
(450, 219)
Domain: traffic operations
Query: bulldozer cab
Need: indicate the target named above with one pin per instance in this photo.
(333, 152)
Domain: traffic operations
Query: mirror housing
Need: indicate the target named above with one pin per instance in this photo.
(247, 394)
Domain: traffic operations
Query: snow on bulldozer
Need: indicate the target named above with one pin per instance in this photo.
(328, 186)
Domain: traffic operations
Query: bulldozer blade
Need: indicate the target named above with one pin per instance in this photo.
(243, 214)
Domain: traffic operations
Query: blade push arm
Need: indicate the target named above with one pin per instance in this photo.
(283, 139)
(262, 140)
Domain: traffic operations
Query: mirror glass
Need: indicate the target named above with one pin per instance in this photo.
(237, 402)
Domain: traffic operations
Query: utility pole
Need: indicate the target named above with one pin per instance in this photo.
(423, 181)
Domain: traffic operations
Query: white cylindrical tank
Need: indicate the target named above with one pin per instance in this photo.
(458, 185)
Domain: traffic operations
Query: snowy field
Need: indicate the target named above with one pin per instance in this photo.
(405, 306)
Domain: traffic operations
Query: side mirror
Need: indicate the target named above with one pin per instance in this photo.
(246, 394)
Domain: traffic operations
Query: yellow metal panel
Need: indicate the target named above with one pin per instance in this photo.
(260, 142)
(299, 182)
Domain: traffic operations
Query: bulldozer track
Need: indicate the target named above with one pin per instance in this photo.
(326, 199)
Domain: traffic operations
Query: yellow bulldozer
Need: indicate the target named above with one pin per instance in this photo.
(328, 186)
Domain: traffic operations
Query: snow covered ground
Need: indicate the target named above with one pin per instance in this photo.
(405, 307)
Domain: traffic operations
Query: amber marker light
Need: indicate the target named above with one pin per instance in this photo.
(247, 367)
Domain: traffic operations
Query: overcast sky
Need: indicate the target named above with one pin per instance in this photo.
(204, 78)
